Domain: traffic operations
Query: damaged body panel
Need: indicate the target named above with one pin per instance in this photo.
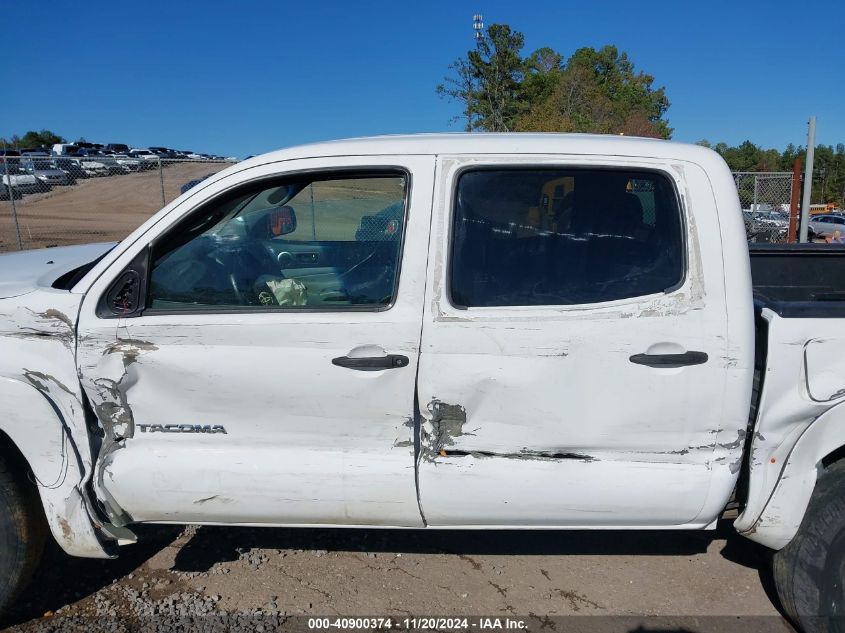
(799, 422)
(482, 331)
(293, 437)
(43, 411)
(537, 414)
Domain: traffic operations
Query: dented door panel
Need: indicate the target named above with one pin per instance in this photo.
(536, 415)
(544, 489)
(303, 441)
(243, 417)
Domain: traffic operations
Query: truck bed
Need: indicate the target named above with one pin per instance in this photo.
(799, 280)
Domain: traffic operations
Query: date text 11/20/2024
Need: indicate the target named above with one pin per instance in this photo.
(416, 623)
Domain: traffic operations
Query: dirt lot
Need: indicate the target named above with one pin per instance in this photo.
(249, 576)
(95, 209)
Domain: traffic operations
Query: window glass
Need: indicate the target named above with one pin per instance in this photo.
(562, 237)
(311, 243)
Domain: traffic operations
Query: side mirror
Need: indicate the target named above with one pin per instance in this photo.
(282, 220)
(125, 297)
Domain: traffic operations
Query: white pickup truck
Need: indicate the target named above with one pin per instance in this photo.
(435, 331)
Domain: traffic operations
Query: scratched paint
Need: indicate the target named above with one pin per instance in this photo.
(539, 419)
(44, 412)
(797, 425)
(296, 425)
(541, 384)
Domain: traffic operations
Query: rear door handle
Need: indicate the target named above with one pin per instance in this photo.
(371, 363)
(668, 361)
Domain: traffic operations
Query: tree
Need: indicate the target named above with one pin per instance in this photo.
(488, 80)
(541, 75)
(498, 71)
(594, 91)
(12, 141)
(599, 91)
(461, 86)
(44, 138)
(828, 170)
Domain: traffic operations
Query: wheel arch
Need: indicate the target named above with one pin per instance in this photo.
(32, 428)
(820, 446)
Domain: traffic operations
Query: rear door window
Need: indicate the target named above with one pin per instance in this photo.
(527, 237)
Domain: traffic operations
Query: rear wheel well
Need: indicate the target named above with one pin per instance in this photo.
(831, 458)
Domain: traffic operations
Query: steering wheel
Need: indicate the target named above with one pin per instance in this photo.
(242, 263)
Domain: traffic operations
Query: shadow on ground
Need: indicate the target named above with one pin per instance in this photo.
(62, 580)
(211, 545)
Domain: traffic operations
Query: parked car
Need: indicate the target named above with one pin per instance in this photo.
(47, 171)
(65, 149)
(16, 178)
(147, 158)
(162, 152)
(766, 226)
(827, 224)
(38, 151)
(488, 351)
(130, 163)
(72, 166)
(193, 183)
(116, 148)
(92, 164)
(112, 166)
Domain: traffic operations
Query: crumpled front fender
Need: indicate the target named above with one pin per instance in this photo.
(36, 427)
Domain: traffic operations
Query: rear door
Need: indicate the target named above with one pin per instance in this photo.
(573, 354)
(250, 387)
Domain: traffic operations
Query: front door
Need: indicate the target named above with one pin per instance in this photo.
(573, 355)
(269, 375)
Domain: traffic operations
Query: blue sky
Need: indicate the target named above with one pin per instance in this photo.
(245, 77)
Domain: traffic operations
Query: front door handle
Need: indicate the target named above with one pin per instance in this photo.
(371, 363)
(668, 361)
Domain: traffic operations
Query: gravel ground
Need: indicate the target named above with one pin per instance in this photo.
(211, 578)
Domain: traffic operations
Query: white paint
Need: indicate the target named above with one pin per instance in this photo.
(309, 443)
(784, 511)
(557, 379)
(41, 412)
(24, 272)
(795, 427)
(825, 369)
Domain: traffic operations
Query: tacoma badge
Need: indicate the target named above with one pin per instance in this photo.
(182, 428)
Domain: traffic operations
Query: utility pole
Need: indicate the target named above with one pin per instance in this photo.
(794, 220)
(808, 179)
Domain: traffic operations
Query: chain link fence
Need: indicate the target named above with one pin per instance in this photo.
(61, 200)
(57, 201)
(765, 199)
